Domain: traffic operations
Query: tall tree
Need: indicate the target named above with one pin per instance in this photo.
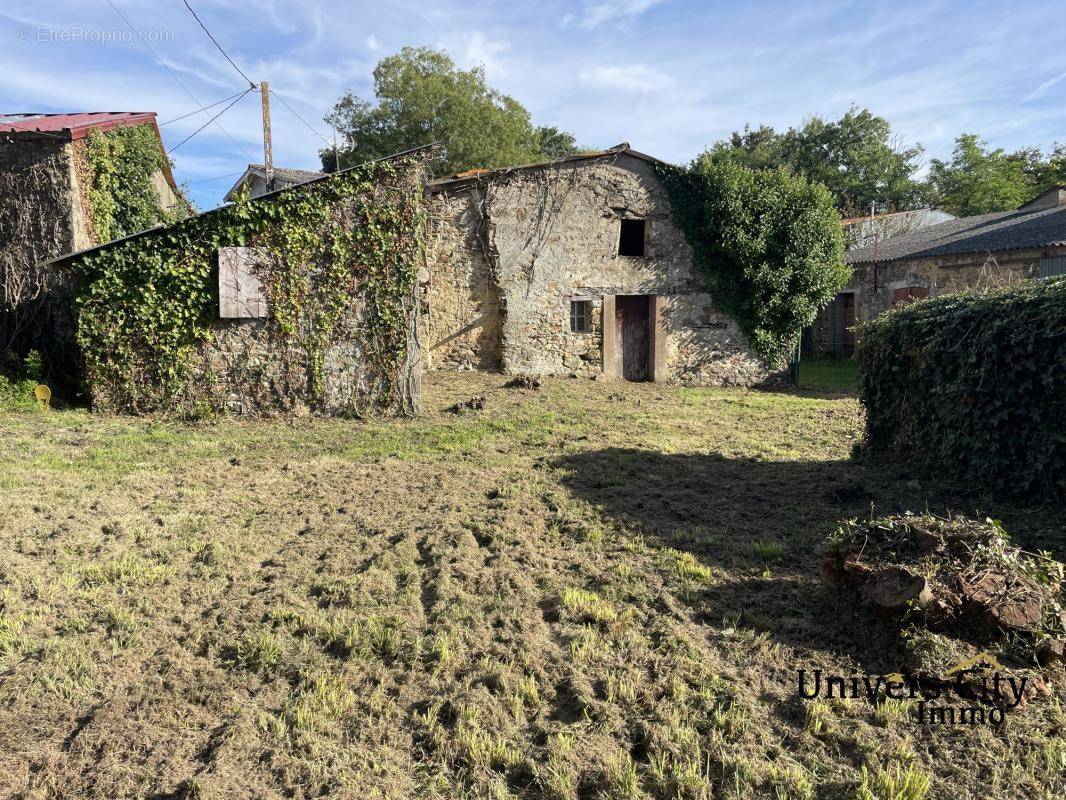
(856, 157)
(423, 97)
(979, 180)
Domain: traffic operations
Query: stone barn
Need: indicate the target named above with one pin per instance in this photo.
(572, 267)
(980, 252)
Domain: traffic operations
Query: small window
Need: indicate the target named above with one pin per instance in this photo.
(1052, 267)
(580, 316)
(631, 240)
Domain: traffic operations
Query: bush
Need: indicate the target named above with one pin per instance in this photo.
(16, 394)
(767, 243)
(973, 387)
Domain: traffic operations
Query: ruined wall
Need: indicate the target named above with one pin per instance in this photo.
(551, 236)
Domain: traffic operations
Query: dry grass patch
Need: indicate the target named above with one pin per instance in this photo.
(581, 592)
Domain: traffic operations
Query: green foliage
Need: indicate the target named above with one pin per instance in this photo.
(856, 157)
(122, 198)
(423, 98)
(973, 387)
(768, 244)
(554, 143)
(979, 180)
(145, 305)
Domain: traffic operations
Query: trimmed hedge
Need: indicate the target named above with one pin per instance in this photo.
(972, 387)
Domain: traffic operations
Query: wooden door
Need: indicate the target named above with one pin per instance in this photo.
(631, 324)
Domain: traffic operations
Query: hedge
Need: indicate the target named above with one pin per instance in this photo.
(972, 387)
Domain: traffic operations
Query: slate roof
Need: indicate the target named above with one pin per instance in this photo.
(984, 233)
(282, 175)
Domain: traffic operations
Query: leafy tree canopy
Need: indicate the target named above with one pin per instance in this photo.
(767, 241)
(979, 180)
(856, 157)
(423, 97)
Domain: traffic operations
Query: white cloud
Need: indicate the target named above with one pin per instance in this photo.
(372, 43)
(629, 78)
(1039, 90)
(476, 49)
(598, 13)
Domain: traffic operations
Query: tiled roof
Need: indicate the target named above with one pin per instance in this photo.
(288, 174)
(999, 231)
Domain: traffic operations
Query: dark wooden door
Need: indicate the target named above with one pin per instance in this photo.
(631, 323)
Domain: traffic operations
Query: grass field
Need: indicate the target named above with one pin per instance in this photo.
(586, 591)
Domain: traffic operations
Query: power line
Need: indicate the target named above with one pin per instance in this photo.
(216, 178)
(304, 121)
(202, 108)
(215, 42)
(155, 55)
(219, 114)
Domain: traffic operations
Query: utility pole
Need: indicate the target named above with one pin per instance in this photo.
(268, 158)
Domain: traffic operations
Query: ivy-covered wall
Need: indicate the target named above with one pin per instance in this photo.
(59, 195)
(337, 259)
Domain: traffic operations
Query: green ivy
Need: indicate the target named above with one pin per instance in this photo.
(146, 305)
(122, 196)
(972, 387)
(767, 243)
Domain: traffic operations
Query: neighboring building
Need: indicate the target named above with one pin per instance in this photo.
(254, 180)
(45, 211)
(862, 231)
(982, 251)
(572, 267)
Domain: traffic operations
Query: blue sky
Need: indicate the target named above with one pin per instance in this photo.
(669, 76)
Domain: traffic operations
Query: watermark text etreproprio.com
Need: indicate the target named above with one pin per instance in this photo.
(76, 33)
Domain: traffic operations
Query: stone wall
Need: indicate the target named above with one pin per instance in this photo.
(37, 200)
(246, 368)
(513, 249)
(461, 308)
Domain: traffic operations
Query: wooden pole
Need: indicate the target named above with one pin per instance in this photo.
(268, 158)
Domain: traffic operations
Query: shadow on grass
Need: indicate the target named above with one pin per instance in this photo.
(764, 523)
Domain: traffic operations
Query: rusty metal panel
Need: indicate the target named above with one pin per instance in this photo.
(240, 292)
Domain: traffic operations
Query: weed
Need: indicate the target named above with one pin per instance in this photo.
(588, 606)
(259, 652)
(890, 711)
(766, 550)
(621, 779)
(902, 783)
(817, 718)
(320, 702)
(126, 572)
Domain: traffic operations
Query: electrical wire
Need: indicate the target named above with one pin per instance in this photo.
(219, 114)
(215, 42)
(202, 108)
(155, 55)
(304, 121)
(216, 178)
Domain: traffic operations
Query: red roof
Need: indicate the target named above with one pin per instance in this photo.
(78, 125)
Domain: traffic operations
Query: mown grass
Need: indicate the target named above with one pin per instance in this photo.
(586, 591)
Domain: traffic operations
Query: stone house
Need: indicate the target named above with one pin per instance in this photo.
(44, 189)
(45, 211)
(982, 251)
(254, 181)
(572, 267)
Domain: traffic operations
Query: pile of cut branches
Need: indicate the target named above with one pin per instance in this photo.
(957, 576)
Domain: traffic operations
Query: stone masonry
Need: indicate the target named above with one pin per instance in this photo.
(510, 251)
